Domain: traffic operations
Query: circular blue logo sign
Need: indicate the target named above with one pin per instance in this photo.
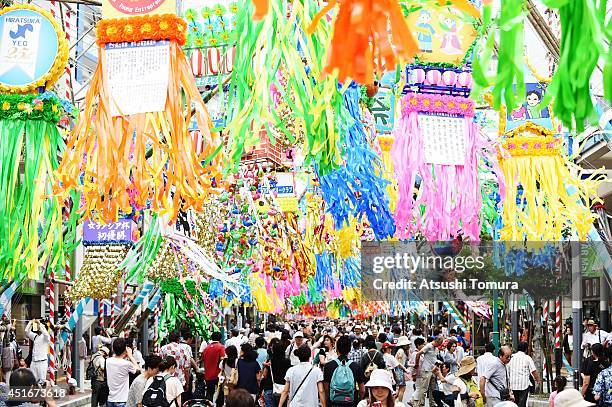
(28, 47)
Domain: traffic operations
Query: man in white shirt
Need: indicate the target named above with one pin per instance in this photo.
(298, 340)
(37, 333)
(304, 382)
(484, 361)
(100, 339)
(520, 368)
(235, 340)
(446, 384)
(592, 336)
(118, 369)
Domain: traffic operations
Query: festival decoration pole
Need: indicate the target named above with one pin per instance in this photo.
(558, 348)
(68, 277)
(51, 326)
(76, 315)
(113, 302)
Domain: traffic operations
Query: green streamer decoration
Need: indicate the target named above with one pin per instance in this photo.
(583, 35)
(274, 47)
(30, 213)
(510, 82)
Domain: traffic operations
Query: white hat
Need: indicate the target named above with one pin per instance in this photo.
(299, 334)
(506, 404)
(571, 398)
(402, 341)
(380, 378)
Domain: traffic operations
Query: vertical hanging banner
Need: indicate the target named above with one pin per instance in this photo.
(33, 49)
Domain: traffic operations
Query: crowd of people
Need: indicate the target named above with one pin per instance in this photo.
(322, 363)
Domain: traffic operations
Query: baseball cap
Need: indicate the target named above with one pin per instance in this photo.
(298, 334)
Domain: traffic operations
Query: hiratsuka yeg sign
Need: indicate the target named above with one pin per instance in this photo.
(28, 47)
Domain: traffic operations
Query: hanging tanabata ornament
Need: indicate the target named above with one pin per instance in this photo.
(437, 145)
(132, 142)
(33, 54)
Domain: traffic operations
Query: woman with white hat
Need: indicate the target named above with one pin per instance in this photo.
(380, 391)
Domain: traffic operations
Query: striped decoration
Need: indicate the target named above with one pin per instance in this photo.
(76, 315)
(558, 323)
(51, 299)
(6, 296)
(454, 314)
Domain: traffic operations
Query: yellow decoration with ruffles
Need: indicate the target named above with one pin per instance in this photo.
(554, 198)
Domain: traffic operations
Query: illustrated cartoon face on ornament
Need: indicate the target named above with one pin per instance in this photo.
(450, 35)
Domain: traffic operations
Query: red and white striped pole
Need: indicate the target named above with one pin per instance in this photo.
(545, 310)
(101, 313)
(112, 312)
(558, 323)
(67, 348)
(51, 298)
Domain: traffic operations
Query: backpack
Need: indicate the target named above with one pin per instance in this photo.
(371, 366)
(9, 358)
(94, 373)
(342, 385)
(155, 395)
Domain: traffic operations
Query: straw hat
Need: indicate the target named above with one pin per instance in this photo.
(380, 378)
(591, 322)
(104, 349)
(571, 398)
(468, 364)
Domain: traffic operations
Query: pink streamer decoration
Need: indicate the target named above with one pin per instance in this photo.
(450, 194)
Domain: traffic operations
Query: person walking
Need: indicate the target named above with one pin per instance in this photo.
(425, 361)
(592, 336)
(450, 356)
(298, 340)
(602, 390)
(118, 369)
(99, 387)
(400, 372)
(177, 351)
(164, 383)
(520, 369)
(211, 359)
(37, 333)
(568, 343)
(274, 374)
(333, 388)
(494, 383)
(485, 360)
(249, 371)
(303, 382)
(595, 363)
(137, 388)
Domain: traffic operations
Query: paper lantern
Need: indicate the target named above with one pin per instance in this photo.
(433, 77)
(417, 76)
(464, 79)
(449, 78)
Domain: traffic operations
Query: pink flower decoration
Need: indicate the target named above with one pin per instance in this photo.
(550, 145)
(427, 103)
(525, 146)
(511, 146)
(537, 145)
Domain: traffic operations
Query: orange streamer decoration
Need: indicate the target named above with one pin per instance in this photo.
(261, 9)
(369, 36)
(111, 152)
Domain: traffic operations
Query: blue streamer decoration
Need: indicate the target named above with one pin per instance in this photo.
(357, 188)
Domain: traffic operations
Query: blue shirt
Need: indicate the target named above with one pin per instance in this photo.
(603, 386)
(262, 356)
